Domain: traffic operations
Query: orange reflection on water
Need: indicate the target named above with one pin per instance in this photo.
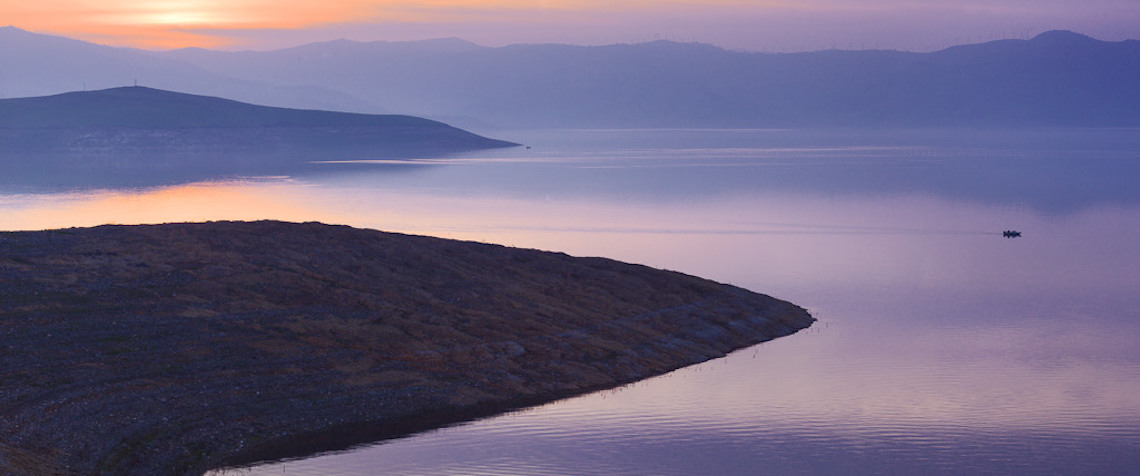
(770, 242)
(185, 203)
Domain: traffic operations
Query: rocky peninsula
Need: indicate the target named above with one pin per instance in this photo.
(173, 349)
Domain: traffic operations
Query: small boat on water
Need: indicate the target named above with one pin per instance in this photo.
(1011, 234)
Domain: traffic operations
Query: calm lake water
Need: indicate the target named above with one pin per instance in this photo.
(941, 347)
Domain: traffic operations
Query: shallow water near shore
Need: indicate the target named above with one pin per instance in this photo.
(941, 348)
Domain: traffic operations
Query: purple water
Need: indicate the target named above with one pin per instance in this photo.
(942, 347)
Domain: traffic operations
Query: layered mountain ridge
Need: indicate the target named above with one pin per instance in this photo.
(1058, 78)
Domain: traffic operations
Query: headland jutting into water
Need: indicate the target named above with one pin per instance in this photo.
(173, 349)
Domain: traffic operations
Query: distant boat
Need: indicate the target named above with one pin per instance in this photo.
(1011, 234)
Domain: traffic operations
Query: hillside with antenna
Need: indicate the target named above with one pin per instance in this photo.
(155, 135)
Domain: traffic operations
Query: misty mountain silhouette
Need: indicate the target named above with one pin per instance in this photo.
(40, 65)
(1058, 78)
(1055, 79)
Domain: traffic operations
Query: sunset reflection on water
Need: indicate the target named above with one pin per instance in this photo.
(942, 347)
(196, 202)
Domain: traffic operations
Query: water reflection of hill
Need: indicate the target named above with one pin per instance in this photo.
(1054, 170)
(48, 173)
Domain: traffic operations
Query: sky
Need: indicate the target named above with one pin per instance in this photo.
(748, 25)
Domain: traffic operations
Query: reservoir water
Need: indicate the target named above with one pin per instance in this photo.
(941, 348)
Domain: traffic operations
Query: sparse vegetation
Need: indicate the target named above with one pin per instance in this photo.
(169, 349)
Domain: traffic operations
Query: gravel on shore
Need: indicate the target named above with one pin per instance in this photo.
(177, 348)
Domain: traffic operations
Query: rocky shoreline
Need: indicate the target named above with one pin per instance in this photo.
(173, 349)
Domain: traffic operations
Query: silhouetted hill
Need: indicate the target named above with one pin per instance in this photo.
(146, 108)
(1055, 79)
(144, 136)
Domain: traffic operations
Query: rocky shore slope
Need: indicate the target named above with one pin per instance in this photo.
(172, 349)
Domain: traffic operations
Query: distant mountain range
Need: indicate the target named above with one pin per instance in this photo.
(1058, 78)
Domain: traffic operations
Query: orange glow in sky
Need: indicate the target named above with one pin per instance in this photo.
(180, 23)
(782, 25)
(177, 23)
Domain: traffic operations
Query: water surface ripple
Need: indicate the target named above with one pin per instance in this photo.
(942, 348)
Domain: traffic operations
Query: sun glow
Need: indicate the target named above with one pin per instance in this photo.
(177, 23)
(181, 23)
(782, 25)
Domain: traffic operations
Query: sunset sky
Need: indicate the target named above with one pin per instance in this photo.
(755, 25)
